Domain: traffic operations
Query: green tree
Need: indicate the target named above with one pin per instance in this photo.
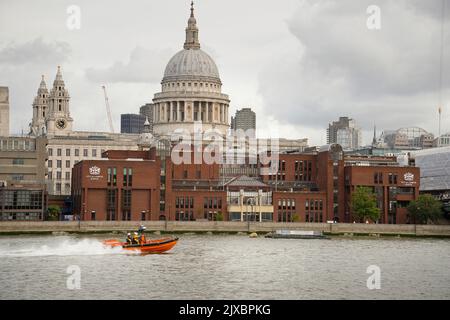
(295, 218)
(53, 212)
(219, 216)
(424, 209)
(364, 204)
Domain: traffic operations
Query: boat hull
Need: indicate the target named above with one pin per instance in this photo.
(296, 234)
(151, 246)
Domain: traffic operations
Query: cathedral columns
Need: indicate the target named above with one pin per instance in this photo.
(226, 114)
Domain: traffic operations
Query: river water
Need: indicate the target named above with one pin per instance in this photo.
(224, 267)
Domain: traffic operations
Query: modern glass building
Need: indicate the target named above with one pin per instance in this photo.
(434, 167)
(131, 123)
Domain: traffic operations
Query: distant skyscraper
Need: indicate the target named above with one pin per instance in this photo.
(147, 111)
(244, 119)
(344, 132)
(4, 111)
(131, 123)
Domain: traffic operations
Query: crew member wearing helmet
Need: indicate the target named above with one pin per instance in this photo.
(135, 238)
(141, 230)
(129, 240)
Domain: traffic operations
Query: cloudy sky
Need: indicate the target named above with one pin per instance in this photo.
(298, 63)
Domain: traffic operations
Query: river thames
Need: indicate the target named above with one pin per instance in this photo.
(225, 267)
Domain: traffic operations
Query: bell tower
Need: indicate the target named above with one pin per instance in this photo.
(40, 110)
(59, 120)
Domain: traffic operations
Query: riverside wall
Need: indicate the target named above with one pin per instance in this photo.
(18, 227)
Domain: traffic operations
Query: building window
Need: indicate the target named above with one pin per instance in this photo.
(93, 215)
(67, 163)
(58, 175)
(77, 152)
(392, 178)
(130, 177)
(111, 204)
(378, 178)
(18, 161)
(17, 177)
(67, 152)
(126, 215)
(85, 152)
(59, 152)
(50, 163)
(125, 178)
(68, 175)
(126, 199)
(58, 163)
(50, 152)
(94, 153)
(58, 187)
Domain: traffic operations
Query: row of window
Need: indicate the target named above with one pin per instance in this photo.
(127, 177)
(212, 203)
(378, 178)
(17, 144)
(310, 204)
(68, 152)
(189, 84)
(11, 216)
(286, 204)
(278, 176)
(112, 216)
(21, 199)
(198, 174)
(58, 187)
(184, 215)
(313, 204)
(59, 164)
(58, 175)
(289, 216)
(184, 202)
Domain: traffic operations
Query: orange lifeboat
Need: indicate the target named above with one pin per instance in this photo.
(150, 246)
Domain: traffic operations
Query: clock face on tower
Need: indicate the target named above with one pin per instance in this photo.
(61, 123)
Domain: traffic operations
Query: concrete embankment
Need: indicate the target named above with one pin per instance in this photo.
(353, 229)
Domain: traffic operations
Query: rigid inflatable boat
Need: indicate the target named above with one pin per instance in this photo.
(150, 246)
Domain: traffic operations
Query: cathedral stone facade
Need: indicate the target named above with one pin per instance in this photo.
(191, 91)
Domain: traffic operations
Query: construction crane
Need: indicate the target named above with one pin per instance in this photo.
(108, 110)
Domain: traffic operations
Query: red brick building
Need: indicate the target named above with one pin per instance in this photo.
(312, 186)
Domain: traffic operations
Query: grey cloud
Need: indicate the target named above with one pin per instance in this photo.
(36, 51)
(21, 67)
(144, 65)
(342, 68)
